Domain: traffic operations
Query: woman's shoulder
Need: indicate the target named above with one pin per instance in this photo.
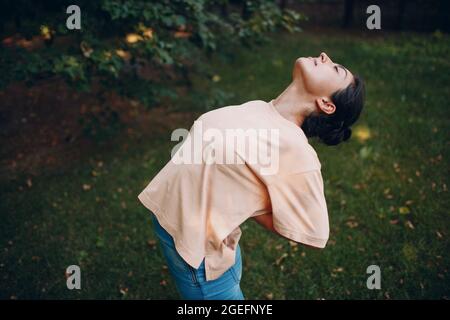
(300, 156)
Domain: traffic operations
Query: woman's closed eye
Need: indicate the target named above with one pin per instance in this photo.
(337, 66)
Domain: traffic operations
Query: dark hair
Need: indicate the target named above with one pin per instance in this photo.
(335, 128)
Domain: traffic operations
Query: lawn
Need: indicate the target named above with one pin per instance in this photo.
(386, 190)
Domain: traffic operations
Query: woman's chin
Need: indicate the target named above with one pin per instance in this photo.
(301, 61)
(305, 63)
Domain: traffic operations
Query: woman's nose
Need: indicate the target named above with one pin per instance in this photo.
(324, 57)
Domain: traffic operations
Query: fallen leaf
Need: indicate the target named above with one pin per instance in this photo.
(85, 49)
(151, 244)
(409, 224)
(123, 291)
(396, 167)
(133, 38)
(283, 256)
(404, 210)
(352, 224)
(362, 133)
(147, 33)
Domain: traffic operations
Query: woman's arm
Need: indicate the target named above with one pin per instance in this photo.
(266, 220)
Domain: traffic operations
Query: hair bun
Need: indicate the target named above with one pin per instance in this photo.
(347, 133)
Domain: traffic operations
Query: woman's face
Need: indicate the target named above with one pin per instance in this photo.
(320, 76)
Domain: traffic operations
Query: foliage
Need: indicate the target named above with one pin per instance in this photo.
(118, 39)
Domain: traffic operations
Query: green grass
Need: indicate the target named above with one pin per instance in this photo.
(105, 230)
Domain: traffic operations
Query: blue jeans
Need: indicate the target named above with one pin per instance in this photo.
(190, 282)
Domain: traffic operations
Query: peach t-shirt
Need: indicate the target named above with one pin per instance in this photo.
(202, 195)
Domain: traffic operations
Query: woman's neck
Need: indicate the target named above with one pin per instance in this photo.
(293, 104)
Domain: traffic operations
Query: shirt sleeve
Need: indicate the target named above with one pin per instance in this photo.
(299, 208)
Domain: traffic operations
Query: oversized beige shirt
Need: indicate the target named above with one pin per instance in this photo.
(237, 162)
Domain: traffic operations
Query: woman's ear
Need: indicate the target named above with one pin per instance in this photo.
(325, 105)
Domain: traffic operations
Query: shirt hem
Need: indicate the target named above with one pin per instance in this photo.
(158, 212)
(182, 250)
(301, 237)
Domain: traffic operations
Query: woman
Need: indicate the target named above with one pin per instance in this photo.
(211, 185)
